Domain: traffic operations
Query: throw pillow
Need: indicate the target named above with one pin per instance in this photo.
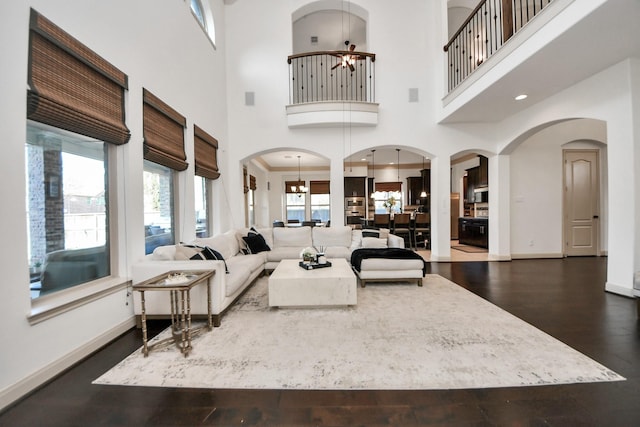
(198, 253)
(373, 242)
(256, 243)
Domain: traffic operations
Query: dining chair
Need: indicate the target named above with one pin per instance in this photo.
(423, 228)
(308, 223)
(277, 223)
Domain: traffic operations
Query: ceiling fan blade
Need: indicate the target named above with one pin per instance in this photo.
(337, 65)
(351, 67)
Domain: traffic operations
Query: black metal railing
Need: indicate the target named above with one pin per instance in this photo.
(331, 76)
(488, 27)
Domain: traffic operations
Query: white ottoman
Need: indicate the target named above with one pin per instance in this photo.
(292, 285)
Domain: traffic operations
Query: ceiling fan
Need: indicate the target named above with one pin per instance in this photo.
(347, 59)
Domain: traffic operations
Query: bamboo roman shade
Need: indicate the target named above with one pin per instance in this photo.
(289, 184)
(206, 154)
(319, 187)
(163, 133)
(388, 186)
(71, 87)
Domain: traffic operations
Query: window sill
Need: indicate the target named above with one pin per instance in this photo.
(46, 307)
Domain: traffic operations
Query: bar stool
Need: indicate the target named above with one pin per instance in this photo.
(422, 227)
(402, 226)
(382, 221)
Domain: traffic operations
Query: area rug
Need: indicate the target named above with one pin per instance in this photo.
(470, 249)
(398, 336)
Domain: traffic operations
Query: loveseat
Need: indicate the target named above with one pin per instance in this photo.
(242, 265)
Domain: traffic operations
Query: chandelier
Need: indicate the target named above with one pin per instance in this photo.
(299, 189)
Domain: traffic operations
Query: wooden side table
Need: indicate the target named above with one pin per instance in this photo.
(178, 283)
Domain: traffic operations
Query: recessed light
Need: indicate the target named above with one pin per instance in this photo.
(521, 97)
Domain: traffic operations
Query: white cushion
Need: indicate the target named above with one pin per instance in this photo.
(298, 237)
(331, 236)
(278, 254)
(164, 253)
(373, 242)
(225, 243)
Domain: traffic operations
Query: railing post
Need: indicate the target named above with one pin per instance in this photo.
(507, 20)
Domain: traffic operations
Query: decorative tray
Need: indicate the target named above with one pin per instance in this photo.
(313, 265)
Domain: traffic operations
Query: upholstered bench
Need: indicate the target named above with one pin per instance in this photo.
(388, 265)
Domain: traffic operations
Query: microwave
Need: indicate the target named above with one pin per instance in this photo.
(481, 195)
(354, 202)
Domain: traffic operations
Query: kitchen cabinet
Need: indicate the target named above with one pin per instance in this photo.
(354, 187)
(473, 231)
(414, 188)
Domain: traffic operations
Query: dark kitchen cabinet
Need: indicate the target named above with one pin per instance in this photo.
(414, 188)
(416, 185)
(354, 186)
(473, 231)
(483, 172)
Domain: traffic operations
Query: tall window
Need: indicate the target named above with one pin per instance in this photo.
(67, 209)
(158, 206)
(201, 207)
(320, 200)
(69, 87)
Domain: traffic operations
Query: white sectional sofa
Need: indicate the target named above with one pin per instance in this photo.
(241, 269)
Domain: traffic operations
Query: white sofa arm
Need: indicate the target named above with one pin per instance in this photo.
(394, 241)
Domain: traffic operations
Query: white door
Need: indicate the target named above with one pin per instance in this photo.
(581, 202)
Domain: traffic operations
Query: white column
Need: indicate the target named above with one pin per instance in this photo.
(499, 208)
(440, 209)
(337, 190)
(623, 154)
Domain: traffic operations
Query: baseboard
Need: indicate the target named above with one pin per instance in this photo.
(494, 257)
(14, 392)
(619, 290)
(537, 256)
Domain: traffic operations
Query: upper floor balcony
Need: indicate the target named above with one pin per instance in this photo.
(506, 48)
(331, 88)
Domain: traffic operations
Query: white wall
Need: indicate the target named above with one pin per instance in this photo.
(160, 47)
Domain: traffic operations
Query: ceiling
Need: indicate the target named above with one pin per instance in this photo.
(288, 159)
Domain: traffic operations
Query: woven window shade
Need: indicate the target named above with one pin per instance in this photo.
(206, 154)
(163, 133)
(252, 182)
(319, 187)
(289, 184)
(388, 186)
(71, 87)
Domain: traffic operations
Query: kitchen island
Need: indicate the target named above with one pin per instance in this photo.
(473, 231)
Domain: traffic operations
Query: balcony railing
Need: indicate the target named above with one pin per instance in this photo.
(336, 76)
(488, 27)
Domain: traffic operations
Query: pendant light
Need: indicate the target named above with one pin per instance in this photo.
(300, 188)
(423, 194)
(373, 181)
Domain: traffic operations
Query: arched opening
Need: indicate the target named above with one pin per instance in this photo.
(538, 205)
(274, 173)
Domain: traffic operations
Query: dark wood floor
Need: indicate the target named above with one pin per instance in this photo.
(564, 298)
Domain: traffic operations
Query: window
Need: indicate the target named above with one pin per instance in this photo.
(67, 209)
(320, 200)
(158, 206)
(296, 206)
(382, 199)
(204, 17)
(201, 207)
